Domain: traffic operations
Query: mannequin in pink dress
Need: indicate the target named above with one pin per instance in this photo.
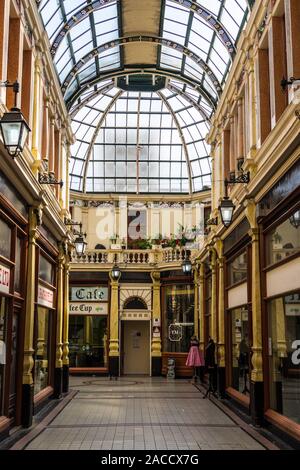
(195, 357)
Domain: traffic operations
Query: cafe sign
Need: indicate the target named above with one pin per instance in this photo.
(45, 296)
(4, 279)
(89, 294)
(88, 308)
(175, 332)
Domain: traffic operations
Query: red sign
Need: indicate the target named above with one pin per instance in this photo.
(4, 279)
(45, 296)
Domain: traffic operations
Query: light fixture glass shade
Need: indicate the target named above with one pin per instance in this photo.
(115, 272)
(226, 209)
(295, 219)
(14, 130)
(186, 266)
(80, 245)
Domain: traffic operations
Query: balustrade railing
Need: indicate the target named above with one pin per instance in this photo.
(133, 257)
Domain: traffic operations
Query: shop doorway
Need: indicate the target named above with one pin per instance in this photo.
(136, 347)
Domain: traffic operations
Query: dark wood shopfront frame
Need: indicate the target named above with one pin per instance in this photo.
(16, 305)
(244, 244)
(50, 253)
(181, 369)
(93, 283)
(280, 213)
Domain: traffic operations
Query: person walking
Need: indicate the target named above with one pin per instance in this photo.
(195, 357)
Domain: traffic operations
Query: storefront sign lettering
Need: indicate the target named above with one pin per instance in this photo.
(175, 332)
(296, 353)
(45, 296)
(4, 279)
(89, 294)
(88, 308)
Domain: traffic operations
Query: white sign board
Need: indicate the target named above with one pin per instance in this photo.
(88, 308)
(4, 279)
(89, 294)
(45, 296)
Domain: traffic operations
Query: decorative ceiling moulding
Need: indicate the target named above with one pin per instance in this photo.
(141, 39)
(196, 85)
(199, 10)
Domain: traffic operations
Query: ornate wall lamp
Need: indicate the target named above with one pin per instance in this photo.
(14, 128)
(80, 240)
(295, 219)
(226, 207)
(48, 177)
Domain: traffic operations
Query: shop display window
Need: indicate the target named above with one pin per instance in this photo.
(46, 270)
(5, 240)
(284, 355)
(283, 241)
(88, 341)
(3, 340)
(179, 311)
(42, 349)
(237, 269)
(240, 353)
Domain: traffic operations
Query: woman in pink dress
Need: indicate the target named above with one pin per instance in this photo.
(195, 357)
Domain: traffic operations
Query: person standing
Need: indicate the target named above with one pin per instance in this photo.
(195, 357)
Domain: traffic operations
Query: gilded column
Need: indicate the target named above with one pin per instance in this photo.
(256, 385)
(156, 345)
(221, 320)
(65, 387)
(213, 324)
(37, 114)
(59, 325)
(28, 361)
(201, 307)
(114, 353)
(196, 302)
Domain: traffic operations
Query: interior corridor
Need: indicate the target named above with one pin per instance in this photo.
(141, 413)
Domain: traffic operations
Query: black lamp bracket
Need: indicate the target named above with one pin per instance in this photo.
(212, 221)
(292, 81)
(15, 86)
(49, 178)
(72, 223)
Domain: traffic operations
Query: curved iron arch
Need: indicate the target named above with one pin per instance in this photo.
(161, 72)
(201, 11)
(142, 38)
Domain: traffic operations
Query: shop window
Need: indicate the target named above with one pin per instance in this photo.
(3, 341)
(284, 240)
(46, 270)
(240, 357)
(5, 240)
(237, 269)
(284, 355)
(42, 349)
(179, 311)
(88, 341)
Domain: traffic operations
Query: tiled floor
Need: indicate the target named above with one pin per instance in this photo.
(141, 413)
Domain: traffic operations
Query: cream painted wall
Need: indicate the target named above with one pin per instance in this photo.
(101, 222)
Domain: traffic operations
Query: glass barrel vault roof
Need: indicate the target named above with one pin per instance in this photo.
(142, 141)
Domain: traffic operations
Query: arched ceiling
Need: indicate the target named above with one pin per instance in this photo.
(135, 74)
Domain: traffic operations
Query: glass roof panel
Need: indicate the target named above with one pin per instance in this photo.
(129, 141)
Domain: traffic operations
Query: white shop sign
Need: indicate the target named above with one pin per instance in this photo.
(4, 279)
(45, 296)
(88, 308)
(89, 294)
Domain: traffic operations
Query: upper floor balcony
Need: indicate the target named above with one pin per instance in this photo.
(158, 258)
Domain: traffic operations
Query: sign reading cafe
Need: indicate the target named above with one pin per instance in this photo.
(89, 294)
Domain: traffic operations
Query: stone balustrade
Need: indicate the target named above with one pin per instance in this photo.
(147, 258)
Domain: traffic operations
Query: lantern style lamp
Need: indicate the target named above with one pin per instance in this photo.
(186, 266)
(14, 128)
(80, 244)
(115, 272)
(295, 219)
(226, 209)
